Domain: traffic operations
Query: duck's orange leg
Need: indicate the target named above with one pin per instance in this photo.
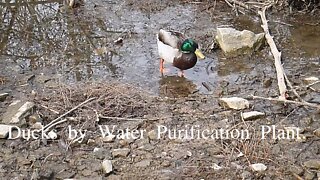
(181, 74)
(161, 65)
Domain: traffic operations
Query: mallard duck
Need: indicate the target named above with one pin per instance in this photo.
(175, 48)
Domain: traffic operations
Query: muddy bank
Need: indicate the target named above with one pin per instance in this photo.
(58, 58)
(153, 155)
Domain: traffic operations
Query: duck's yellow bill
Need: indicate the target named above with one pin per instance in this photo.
(199, 54)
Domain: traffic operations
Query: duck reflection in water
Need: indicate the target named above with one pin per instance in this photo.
(175, 86)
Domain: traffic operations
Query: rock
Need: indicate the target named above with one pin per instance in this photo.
(252, 115)
(4, 130)
(297, 170)
(315, 99)
(120, 152)
(152, 135)
(17, 111)
(109, 138)
(216, 166)
(312, 164)
(107, 166)
(246, 175)
(101, 153)
(37, 125)
(52, 135)
(3, 96)
(258, 167)
(143, 163)
(317, 132)
(308, 175)
(34, 118)
(166, 163)
(236, 165)
(234, 103)
(310, 80)
(234, 42)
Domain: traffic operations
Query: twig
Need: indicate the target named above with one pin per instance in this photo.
(287, 101)
(276, 54)
(297, 176)
(293, 90)
(52, 110)
(56, 121)
(129, 119)
(309, 85)
(241, 4)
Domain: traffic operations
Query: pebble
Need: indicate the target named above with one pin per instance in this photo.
(52, 135)
(258, 167)
(120, 152)
(152, 135)
(166, 163)
(297, 170)
(109, 138)
(37, 125)
(252, 115)
(3, 96)
(234, 103)
(245, 175)
(308, 175)
(4, 130)
(310, 80)
(143, 163)
(312, 164)
(107, 166)
(317, 132)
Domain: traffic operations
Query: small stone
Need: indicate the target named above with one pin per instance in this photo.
(34, 118)
(152, 135)
(4, 130)
(234, 103)
(216, 166)
(297, 170)
(308, 175)
(86, 172)
(317, 132)
(246, 175)
(143, 163)
(312, 164)
(166, 163)
(37, 125)
(3, 96)
(52, 135)
(109, 138)
(310, 80)
(17, 111)
(120, 152)
(107, 166)
(252, 115)
(119, 40)
(236, 165)
(258, 167)
(91, 142)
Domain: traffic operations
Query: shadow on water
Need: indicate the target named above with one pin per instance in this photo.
(46, 37)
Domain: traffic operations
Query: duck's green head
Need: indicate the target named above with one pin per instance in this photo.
(189, 46)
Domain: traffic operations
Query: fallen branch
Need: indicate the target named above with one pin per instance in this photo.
(276, 54)
(57, 120)
(287, 101)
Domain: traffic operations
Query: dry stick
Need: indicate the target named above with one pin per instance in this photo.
(293, 90)
(276, 54)
(56, 121)
(287, 101)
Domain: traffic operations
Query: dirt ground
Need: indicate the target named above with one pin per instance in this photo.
(177, 105)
